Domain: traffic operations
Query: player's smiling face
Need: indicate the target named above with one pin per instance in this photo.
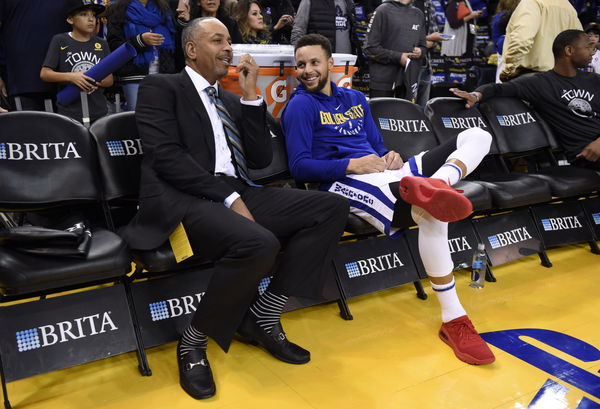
(312, 67)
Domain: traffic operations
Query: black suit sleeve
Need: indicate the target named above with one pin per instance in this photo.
(252, 124)
(164, 150)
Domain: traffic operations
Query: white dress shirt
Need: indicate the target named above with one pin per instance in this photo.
(223, 162)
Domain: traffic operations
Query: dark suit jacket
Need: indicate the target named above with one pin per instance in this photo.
(179, 153)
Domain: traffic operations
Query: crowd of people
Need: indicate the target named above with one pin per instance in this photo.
(399, 31)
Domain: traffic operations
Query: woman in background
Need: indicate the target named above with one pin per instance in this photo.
(499, 22)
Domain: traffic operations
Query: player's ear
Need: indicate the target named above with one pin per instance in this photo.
(330, 63)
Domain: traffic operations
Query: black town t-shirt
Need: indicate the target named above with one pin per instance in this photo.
(570, 105)
(66, 54)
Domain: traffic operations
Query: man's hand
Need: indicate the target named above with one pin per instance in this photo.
(416, 53)
(84, 82)
(436, 37)
(285, 20)
(248, 70)
(2, 110)
(3, 89)
(152, 38)
(240, 208)
(393, 160)
(183, 11)
(367, 164)
(591, 152)
(471, 97)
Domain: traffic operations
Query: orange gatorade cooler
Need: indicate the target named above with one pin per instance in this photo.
(277, 74)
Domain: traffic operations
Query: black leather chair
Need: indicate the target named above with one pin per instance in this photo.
(519, 132)
(509, 190)
(406, 130)
(48, 161)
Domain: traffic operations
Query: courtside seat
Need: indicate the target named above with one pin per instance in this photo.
(50, 163)
(520, 132)
(508, 190)
(406, 130)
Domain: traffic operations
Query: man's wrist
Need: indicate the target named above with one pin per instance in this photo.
(476, 95)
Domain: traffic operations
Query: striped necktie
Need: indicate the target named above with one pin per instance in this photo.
(232, 134)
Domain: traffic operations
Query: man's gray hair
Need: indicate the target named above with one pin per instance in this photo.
(190, 30)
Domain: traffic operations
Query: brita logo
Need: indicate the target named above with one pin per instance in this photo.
(64, 331)
(459, 244)
(373, 265)
(38, 151)
(174, 307)
(561, 223)
(506, 238)
(463, 123)
(403, 125)
(127, 147)
(515, 119)
(596, 217)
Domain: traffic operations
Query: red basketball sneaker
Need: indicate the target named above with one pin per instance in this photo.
(466, 343)
(440, 200)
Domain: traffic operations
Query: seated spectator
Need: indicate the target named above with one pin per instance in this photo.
(209, 8)
(459, 16)
(71, 55)
(565, 97)
(250, 19)
(148, 26)
(332, 138)
(593, 30)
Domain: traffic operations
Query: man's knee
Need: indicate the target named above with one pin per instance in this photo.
(336, 205)
(478, 136)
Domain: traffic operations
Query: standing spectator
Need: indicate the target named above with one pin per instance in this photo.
(459, 14)
(499, 22)
(71, 55)
(433, 35)
(279, 15)
(333, 19)
(148, 26)
(209, 8)
(395, 46)
(250, 18)
(26, 28)
(529, 35)
(593, 30)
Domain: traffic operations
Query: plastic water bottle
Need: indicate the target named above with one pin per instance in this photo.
(478, 266)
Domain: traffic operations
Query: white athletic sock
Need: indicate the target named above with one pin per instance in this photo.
(449, 173)
(451, 306)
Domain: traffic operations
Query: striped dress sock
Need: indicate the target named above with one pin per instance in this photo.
(267, 310)
(192, 339)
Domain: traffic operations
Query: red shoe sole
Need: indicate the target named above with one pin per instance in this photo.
(466, 357)
(438, 199)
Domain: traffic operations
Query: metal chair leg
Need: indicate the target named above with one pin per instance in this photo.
(141, 352)
(421, 294)
(342, 301)
(4, 390)
(489, 276)
(594, 247)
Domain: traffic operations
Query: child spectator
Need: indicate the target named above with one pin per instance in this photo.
(70, 55)
(148, 26)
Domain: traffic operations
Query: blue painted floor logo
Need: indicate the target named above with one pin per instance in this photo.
(510, 341)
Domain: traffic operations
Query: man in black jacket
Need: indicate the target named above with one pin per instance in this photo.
(565, 97)
(198, 140)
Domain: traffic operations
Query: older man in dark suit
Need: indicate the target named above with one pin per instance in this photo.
(198, 140)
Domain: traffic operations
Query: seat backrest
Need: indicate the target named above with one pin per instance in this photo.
(278, 169)
(46, 160)
(119, 155)
(403, 126)
(515, 125)
(449, 117)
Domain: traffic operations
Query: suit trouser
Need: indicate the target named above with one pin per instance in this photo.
(306, 224)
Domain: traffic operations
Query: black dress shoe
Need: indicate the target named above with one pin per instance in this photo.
(276, 343)
(195, 376)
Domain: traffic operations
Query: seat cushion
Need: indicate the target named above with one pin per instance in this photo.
(162, 260)
(357, 225)
(23, 273)
(510, 190)
(567, 181)
(477, 193)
